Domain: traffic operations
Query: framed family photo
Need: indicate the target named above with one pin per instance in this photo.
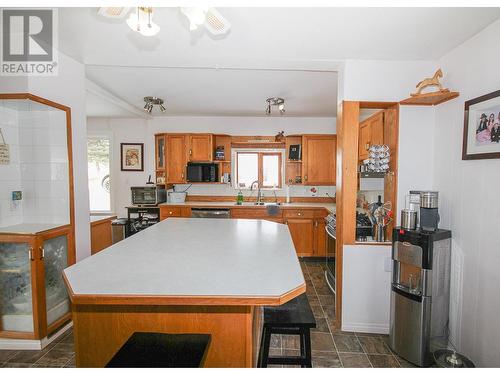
(132, 157)
(482, 127)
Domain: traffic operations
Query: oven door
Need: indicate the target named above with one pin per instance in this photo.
(331, 243)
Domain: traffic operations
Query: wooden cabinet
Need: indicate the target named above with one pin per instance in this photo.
(34, 300)
(302, 232)
(174, 211)
(319, 159)
(319, 237)
(100, 234)
(371, 132)
(160, 152)
(200, 147)
(176, 158)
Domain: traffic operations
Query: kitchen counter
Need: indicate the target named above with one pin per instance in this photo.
(328, 206)
(29, 228)
(97, 218)
(184, 275)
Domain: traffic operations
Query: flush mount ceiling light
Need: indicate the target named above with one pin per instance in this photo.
(151, 101)
(214, 22)
(279, 102)
(142, 21)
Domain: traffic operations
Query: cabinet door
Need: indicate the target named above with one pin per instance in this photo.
(18, 297)
(200, 147)
(365, 135)
(377, 129)
(176, 158)
(302, 232)
(319, 238)
(160, 152)
(54, 251)
(319, 159)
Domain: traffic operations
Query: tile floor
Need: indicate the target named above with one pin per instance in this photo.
(331, 347)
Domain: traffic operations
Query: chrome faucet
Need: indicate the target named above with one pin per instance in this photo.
(258, 191)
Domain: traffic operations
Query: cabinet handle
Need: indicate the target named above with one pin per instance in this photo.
(42, 252)
(299, 213)
(170, 213)
(286, 222)
(305, 178)
(316, 224)
(30, 253)
(367, 146)
(190, 152)
(182, 176)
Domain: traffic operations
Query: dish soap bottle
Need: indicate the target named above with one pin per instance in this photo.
(239, 198)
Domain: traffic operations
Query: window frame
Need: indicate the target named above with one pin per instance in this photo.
(260, 164)
(109, 136)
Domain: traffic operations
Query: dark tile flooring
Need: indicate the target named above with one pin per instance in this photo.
(331, 347)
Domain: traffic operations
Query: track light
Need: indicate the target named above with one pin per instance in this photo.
(151, 101)
(279, 102)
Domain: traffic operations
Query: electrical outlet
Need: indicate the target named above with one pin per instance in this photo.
(17, 195)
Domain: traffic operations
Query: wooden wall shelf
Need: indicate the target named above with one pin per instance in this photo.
(432, 98)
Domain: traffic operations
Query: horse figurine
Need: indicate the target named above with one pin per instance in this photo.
(434, 81)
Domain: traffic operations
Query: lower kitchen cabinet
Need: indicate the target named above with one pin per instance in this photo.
(319, 237)
(302, 232)
(34, 302)
(100, 234)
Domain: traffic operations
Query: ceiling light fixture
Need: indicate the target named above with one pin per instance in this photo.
(279, 102)
(151, 101)
(142, 21)
(196, 16)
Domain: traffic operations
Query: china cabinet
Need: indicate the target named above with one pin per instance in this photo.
(37, 236)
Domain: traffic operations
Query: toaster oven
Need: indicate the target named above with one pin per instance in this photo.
(148, 195)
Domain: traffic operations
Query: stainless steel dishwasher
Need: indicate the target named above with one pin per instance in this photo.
(211, 213)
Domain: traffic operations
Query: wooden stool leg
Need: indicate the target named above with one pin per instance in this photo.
(264, 347)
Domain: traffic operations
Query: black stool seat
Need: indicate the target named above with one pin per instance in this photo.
(147, 349)
(293, 318)
(295, 313)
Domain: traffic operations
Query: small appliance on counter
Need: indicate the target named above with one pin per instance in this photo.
(408, 219)
(148, 195)
(429, 215)
(420, 293)
(202, 172)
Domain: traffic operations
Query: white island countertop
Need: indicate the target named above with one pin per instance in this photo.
(190, 261)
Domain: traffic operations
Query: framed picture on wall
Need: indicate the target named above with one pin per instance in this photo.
(482, 127)
(132, 157)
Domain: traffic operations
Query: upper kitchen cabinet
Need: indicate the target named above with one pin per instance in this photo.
(371, 132)
(200, 147)
(176, 158)
(319, 159)
(160, 152)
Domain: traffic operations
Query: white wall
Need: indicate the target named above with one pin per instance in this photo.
(469, 203)
(142, 131)
(365, 291)
(10, 175)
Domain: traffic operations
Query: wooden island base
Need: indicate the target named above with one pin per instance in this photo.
(100, 330)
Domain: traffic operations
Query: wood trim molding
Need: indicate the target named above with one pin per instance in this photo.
(109, 299)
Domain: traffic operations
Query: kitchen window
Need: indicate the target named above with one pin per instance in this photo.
(266, 167)
(99, 166)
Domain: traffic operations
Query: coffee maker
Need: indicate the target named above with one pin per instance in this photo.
(429, 215)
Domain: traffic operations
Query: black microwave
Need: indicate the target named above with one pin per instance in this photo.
(202, 172)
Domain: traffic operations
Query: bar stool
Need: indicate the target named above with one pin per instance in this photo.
(293, 318)
(148, 349)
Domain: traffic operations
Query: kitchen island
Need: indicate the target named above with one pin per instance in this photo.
(184, 275)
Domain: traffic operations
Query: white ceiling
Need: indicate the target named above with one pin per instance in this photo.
(259, 37)
(211, 92)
